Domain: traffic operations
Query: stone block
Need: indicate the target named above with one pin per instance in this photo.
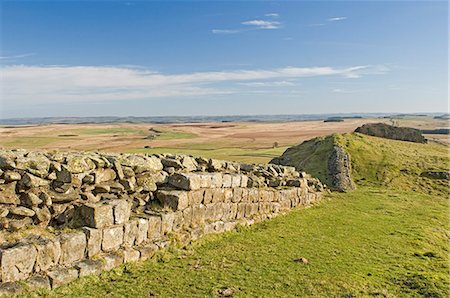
(198, 215)
(17, 262)
(121, 210)
(177, 221)
(112, 238)
(142, 232)
(235, 180)
(229, 226)
(95, 215)
(240, 214)
(93, 241)
(48, 253)
(111, 261)
(167, 220)
(38, 282)
(130, 230)
(226, 180)
(185, 181)
(61, 276)
(195, 197)
(216, 180)
(253, 195)
(130, 255)
(89, 267)
(173, 199)
(73, 246)
(218, 195)
(10, 289)
(147, 181)
(208, 195)
(104, 175)
(154, 227)
(227, 195)
(147, 251)
(244, 181)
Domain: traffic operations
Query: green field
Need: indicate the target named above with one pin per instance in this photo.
(388, 238)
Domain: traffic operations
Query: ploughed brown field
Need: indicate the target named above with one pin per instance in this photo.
(247, 142)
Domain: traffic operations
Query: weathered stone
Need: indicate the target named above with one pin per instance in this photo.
(147, 251)
(22, 211)
(43, 216)
(95, 215)
(61, 276)
(227, 195)
(174, 199)
(154, 227)
(11, 176)
(226, 180)
(142, 232)
(38, 282)
(171, 163)
(7, 161)
(3, 211)
(93, 241)
(88, 179)
(30, 199)
(101, 188)
(112, 238)
(104, 175)
(79, 164)
(48, 253)
(30, 181)
(111, 261)
(60, 198)
(118, 169)
(121, 210)
(90, 197)
(208, 195)
(130, 232)
(45, 198)
(195, 197)
(73, 246)
(61, 187)
(147, 181)
(218, 195)
(244, 181)
(189, 163)
(235, 180)
(216, 180)
(89, 267)
(8, 194)
(17, 224)
(35, 163)
(205, 180)
(130, 255)
(177, 221)
(129, 184)
(198, 215)
(17, 262)
(216, 165)
(167, 220)
(10, 289)
(186, 181)
(63, 175)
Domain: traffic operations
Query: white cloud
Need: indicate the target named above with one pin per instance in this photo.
(272, 15)
(262, 24)
(16, 56)
(225, 31)
(316, 25)
(336, 19)
(268, 84)
(22, 84)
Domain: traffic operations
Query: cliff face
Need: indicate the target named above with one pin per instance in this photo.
(123, 207)
(392, 132)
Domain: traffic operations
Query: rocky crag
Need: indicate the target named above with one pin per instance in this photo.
(66, 215)
(386, 131)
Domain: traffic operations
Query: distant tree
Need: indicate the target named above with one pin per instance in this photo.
(275, 145)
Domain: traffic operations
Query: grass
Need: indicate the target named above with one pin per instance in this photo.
(107, 131)
(369, 242)
(173, 135)
(30, 142)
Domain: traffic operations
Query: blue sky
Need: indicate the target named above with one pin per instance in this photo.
(85, 58)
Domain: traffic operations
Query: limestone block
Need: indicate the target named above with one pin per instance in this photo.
(216, 180)
(198, 215)
(48, 252)
(227, 195)
(130, 255)
(205, 180)
(112, 238)
(186, 181)
(22, 211)
(73, 246)
(230, 212)
(94, 215)
(177, 221)
(63, 175)
(104, 175)
(147, 251)
(208, 195)
(11, 176)
(8, 194)
(244, 181)
(253, 195)
(219, 211)
(147, 181)
(237, 195)
(121, 210)
(195, 197)
(167, 220)
(130, 232)
(93, 241)
(111, 261)
(142, 232)
(38, 282)
(10, 289)
(154, 227)
(209, 212)
(226, 180)
(229, 226)
(89, 267)
(218, 195)
(174, 199)
(235, 180)
(187, 216)
(61, 276)
(17, 262)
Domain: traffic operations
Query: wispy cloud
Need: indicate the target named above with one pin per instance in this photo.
(336, 19)
(225, 31)
(13, 57)
(262, 24)
(272, 15)
(58, 84)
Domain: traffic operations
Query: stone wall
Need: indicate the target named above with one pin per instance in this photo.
(65, 215)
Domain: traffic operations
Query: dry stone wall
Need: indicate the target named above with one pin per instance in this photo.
(89, 212)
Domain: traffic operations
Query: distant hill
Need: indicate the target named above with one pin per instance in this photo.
(374, 161)
(392, 132)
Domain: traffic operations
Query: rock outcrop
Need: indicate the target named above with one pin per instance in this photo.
(340, 170)
(123, 207)
(392, 132)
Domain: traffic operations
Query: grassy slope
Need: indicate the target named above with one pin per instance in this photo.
(387, 238)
